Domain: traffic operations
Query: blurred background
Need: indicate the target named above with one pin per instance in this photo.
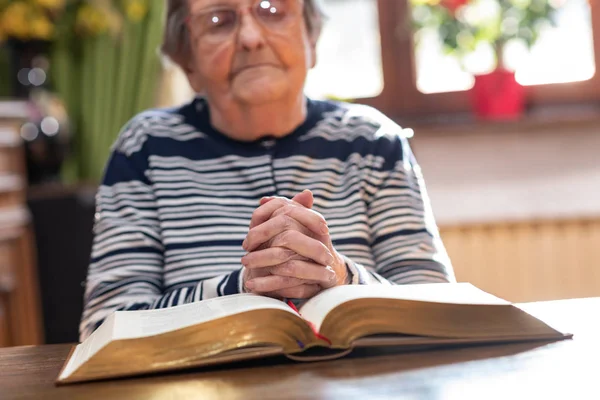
(501, 99)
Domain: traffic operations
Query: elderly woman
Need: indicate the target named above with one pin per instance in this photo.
(253, 187)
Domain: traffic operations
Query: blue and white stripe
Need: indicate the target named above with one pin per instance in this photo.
(177, 198)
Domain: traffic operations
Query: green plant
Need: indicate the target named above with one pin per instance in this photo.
(103, 65)
(118, 70)
(462, 25)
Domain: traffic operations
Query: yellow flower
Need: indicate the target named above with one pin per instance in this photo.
(136, 9)
(41, 28)
(92, 20)
(98, 17)
(51, 4)
(15, 20)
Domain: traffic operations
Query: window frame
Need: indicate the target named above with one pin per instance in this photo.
(401, 97)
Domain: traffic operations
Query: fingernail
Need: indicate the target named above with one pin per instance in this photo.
(250, 284)
(245, 244)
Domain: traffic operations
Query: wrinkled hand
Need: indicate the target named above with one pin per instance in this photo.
(290, 252)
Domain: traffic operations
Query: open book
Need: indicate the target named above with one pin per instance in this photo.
(245, 326)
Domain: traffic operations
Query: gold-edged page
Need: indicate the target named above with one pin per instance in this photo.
(123, 325)
(144, 323)
(316, 309)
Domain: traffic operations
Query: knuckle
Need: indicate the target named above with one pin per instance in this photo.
(290, 222)
(289, 209)
(285, 238)
(280, 202)
(285, 211)
(256, 213)
(279, 211)
(287, 221)
(285, 254)
(286, 281)
(287, 268)
(250, 236)
(260, 235)
(291, 265)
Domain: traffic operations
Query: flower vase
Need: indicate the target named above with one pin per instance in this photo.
(498, 96)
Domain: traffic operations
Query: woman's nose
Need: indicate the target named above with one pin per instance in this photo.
(250, 34)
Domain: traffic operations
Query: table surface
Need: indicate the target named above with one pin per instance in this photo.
(563, 370)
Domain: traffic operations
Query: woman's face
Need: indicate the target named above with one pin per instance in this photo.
(248, 51)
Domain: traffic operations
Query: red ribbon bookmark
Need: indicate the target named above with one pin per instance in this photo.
(293, 306)
(312, 326)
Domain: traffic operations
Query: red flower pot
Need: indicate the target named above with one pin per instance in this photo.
(453, 5)
(498, 96)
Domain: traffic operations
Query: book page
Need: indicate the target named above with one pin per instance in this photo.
(136, 324)
(316, 309)
(84, 351)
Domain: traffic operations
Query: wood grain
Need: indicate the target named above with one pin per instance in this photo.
(4, 333)
(527, 370)
(22, 322)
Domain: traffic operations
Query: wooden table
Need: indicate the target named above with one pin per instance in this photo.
(561, 370)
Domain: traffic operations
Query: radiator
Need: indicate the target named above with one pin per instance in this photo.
(528, 261)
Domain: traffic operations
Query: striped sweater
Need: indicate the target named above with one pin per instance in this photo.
(177, 197)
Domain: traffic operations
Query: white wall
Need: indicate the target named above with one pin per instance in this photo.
(511, 175)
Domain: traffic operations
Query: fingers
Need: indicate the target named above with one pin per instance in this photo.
(267, 257)
(299, 292)
(250, 274)
(283, 286)
(283, 248)
(264, 212)
(305, 198)
(311, 219)
(269, 205)
(260, 235)
(280, 245)
(272, 283)
(306, 270)
(286, 218)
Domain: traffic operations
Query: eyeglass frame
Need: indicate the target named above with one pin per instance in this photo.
(239, 11)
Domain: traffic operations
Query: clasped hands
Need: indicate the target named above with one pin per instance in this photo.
(289, 250)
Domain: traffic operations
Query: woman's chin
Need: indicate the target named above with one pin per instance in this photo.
(259, 91)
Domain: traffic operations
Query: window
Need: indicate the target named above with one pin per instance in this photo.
(561, 69)
(348, 53)
(564, 53)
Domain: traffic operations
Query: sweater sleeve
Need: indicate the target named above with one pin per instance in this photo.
(405, 240)
(127, 261)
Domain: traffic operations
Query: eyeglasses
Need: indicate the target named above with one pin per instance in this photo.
(220, 23)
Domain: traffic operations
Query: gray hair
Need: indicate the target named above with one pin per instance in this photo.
(176, 38)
